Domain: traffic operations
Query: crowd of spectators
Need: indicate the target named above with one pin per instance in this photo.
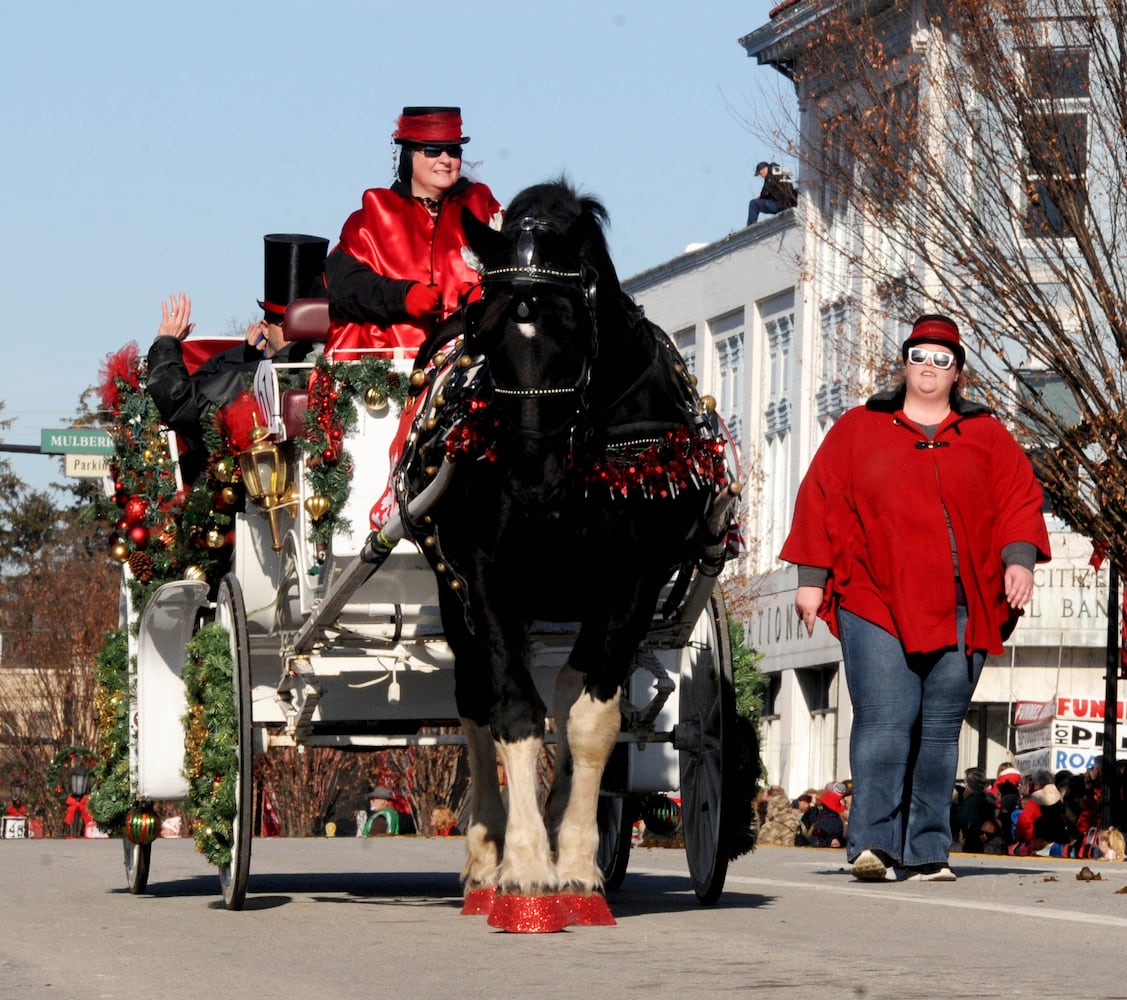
(1040, 813)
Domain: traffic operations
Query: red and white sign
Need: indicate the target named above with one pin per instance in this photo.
(1032, 713)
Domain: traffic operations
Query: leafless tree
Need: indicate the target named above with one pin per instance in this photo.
(428, 777)
(55, 606)
(968, 157)
(305, 784)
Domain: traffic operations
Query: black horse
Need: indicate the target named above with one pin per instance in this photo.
(581, 470)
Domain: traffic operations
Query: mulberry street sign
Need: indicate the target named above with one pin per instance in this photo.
(76, 441)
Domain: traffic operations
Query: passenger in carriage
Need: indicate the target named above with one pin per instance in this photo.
(294, 268)
(399, 266)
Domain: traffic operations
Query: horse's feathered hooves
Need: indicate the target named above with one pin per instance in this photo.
(478, 902)
(529, 914)
(588, 909)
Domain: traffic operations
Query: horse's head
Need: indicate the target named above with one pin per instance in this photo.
(536, 320)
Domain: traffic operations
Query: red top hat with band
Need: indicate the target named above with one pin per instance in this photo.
(424, 126)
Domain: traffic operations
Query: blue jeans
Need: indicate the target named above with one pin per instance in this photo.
(757, 205)
(904, 745)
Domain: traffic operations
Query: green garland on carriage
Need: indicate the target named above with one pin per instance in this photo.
(165, 532)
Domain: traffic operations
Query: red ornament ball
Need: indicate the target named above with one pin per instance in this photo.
(142, 826)
(139, 535)
(135, 509)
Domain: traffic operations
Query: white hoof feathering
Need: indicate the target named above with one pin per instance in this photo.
(485, 833)
(526, 865)
(592, 730)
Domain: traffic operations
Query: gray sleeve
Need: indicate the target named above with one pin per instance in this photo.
(813, 576)
(1020, 554)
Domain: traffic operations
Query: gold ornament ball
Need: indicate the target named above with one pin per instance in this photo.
(418, 378)
(317, 506)
(229, 495)
(709, 403)
(214, 539)
(375, 399)
(119, 552)
(225, 469)
(194, 573)
(147, 454)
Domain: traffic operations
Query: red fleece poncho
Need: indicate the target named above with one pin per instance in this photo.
(871, 510)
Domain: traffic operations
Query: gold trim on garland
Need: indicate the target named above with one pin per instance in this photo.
(211, 742)
(111, 796)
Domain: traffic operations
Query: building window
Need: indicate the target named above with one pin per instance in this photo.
(728, 345)
(686, 343)
(1056, 140)
(771, 696)
(837, 365)
(818, 688)
(778, 330)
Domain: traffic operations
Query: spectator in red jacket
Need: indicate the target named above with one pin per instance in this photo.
(915, 533)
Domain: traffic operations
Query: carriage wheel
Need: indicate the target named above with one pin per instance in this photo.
(616, 816)
(137, 857)
(231, 614)
(707, 712)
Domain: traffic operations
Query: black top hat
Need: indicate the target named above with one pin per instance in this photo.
(294, 262)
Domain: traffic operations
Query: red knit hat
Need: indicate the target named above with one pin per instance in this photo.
(423, 126)
(831, 798)
(936, 329)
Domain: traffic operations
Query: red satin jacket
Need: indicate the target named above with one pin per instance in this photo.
(397, 238)
(871, 510)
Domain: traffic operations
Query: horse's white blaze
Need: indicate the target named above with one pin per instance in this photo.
(486, 830)
(592, 727)
(526, 865)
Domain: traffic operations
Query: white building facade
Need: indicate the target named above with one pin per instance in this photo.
(762, 321)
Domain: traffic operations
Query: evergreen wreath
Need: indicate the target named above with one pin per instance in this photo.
(211, 758)
(161, 531)
(66, 755)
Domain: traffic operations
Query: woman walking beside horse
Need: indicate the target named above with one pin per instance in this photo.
(916, 530)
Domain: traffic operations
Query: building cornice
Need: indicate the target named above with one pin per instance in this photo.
(768, 227)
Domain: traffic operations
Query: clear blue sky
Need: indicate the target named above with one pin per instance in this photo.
(148, 147)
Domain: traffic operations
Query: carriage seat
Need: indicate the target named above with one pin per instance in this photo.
(304, 320)
(307, 319)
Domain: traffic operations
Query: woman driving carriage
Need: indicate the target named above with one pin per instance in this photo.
(399, 266)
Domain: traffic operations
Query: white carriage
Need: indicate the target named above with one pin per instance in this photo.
(328, 651)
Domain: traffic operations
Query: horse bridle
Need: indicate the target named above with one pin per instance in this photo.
(527, 273)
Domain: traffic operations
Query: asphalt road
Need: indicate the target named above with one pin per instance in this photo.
(380, 918)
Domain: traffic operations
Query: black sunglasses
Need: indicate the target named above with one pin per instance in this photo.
(453, 150)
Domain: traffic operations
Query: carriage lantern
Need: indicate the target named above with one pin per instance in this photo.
(266, 476)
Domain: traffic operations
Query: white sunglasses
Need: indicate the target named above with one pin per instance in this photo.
(940, 359)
